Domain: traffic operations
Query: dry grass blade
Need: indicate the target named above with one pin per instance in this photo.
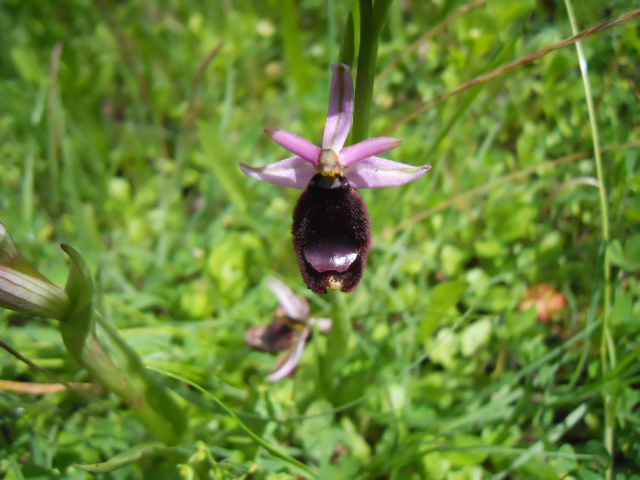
(194, 106)
(41, 388)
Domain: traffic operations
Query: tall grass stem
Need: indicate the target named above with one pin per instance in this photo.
(607, 346)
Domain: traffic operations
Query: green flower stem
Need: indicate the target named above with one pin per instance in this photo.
(337, 340)
(130, 380)
(119, 369)
(372, 18)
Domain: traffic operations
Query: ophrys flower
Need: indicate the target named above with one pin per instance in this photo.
(331, 230)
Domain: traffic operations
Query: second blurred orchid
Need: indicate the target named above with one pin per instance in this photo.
(289, 332)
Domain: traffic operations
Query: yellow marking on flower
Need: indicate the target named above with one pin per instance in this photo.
(335, 284)
(329, 163)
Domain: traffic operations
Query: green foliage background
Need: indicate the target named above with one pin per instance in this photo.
(117, 136)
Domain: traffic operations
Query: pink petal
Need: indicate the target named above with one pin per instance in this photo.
(295, 144)
(340, 113)
(377, 172)
(294, 307)
(291, 362)
(292, 172)
(366, 149)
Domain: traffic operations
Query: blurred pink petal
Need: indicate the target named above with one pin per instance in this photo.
(294, 307)
(275, 337)
(291, 361)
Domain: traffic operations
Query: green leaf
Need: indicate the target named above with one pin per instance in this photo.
(474, 336)
(347, 49)
(27, 64)
(632, 252)
(293, 46)
(224, 164)
(466, 450)
(78, 324)
(125, 458)
(444, 298)
(616, 253)
(276, 452)
(119, 370)
(622, 314)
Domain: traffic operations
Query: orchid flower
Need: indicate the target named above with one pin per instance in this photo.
(331, 230)
(289, 332)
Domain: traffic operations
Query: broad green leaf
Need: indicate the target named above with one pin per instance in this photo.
(475, 336)
(442, 302)
(78, 325)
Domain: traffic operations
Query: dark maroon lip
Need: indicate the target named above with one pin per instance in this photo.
(331, 254)
(331, 234)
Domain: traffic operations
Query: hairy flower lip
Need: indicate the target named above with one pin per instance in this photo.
(338, 219)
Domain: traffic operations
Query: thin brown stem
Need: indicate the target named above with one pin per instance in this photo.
(193, 107)
(70, 386)
(30, 388)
